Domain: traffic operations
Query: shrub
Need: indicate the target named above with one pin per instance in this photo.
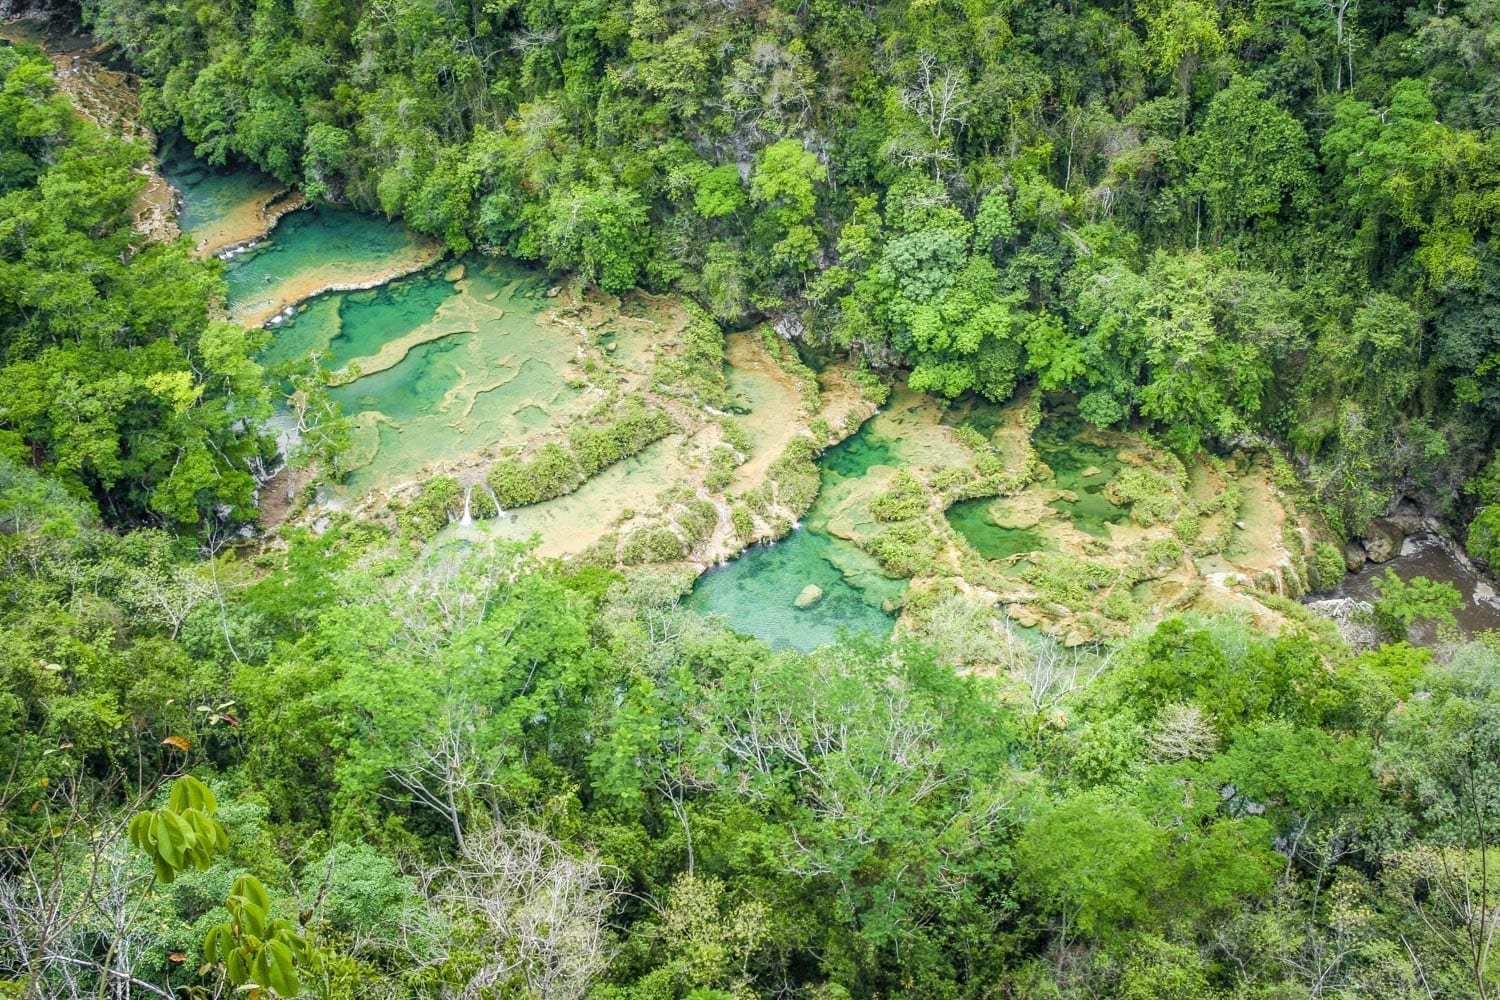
(903, 501)
(552, 473)
(482, 503)
(906, 549)
(656, 543)
(1483, 541)
(435, 503)
(1404, 603)
(1325, 567)
(721, 466)
(1151, 494)
(743, 521)
(872, 387)
(634, 427)
(795, 476)
(697, 519)
(699, 368)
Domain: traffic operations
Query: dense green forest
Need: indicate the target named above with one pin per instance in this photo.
(448, 771)
(1221, 220)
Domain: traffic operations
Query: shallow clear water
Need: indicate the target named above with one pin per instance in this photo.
(451, 366)
(210, 195)
(756, 593)
(974, 521)
(472, 366)
(1082, 468)
(314, 249)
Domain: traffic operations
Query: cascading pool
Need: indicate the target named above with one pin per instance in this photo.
(433, 366)
(1078, 466)
(756, 593)
(316, 249)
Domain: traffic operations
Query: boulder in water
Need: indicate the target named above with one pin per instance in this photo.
(1383, 540)
(811, 594)
(1354, 557)
(455, 273)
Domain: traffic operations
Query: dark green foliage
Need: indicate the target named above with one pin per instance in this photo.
(1221, 222)
(1215, 223)
(114, 377)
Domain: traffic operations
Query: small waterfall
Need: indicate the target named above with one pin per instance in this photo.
(499, 510)
(468, 518)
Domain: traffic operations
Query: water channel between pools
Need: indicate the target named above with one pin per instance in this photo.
(451, 360)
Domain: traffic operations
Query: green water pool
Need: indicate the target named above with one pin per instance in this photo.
(209, 195)
(314, 249)
(756, 593)
(974, 520)
(1082, 468)
(453, 359)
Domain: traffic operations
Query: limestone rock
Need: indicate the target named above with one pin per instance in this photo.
(454, 273)
(1383, 540)
(1023, 616)
(1354, 557)
(811, 594)
(1355, 620)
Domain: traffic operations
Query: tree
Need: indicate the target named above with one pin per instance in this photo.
(1252, 161)
(599, 230)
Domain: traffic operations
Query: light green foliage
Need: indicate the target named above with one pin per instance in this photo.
(719, 192)
(184, 833)
(630, 427)
(552, 472)
(1325, 566)
(1152, 494)
(1483, 540)
(904, 549)
(1418, 601)
(794, 476)
(872, 387)
(608, 434)
(698, 368)
(784, 180)
(743, 521)
(722, 462)
(600, 231)
(438, 501)
(255, 948)
(657, 543)
(905, 499)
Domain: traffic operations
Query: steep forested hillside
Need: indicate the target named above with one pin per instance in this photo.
(1220, 220)
(112, 377)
